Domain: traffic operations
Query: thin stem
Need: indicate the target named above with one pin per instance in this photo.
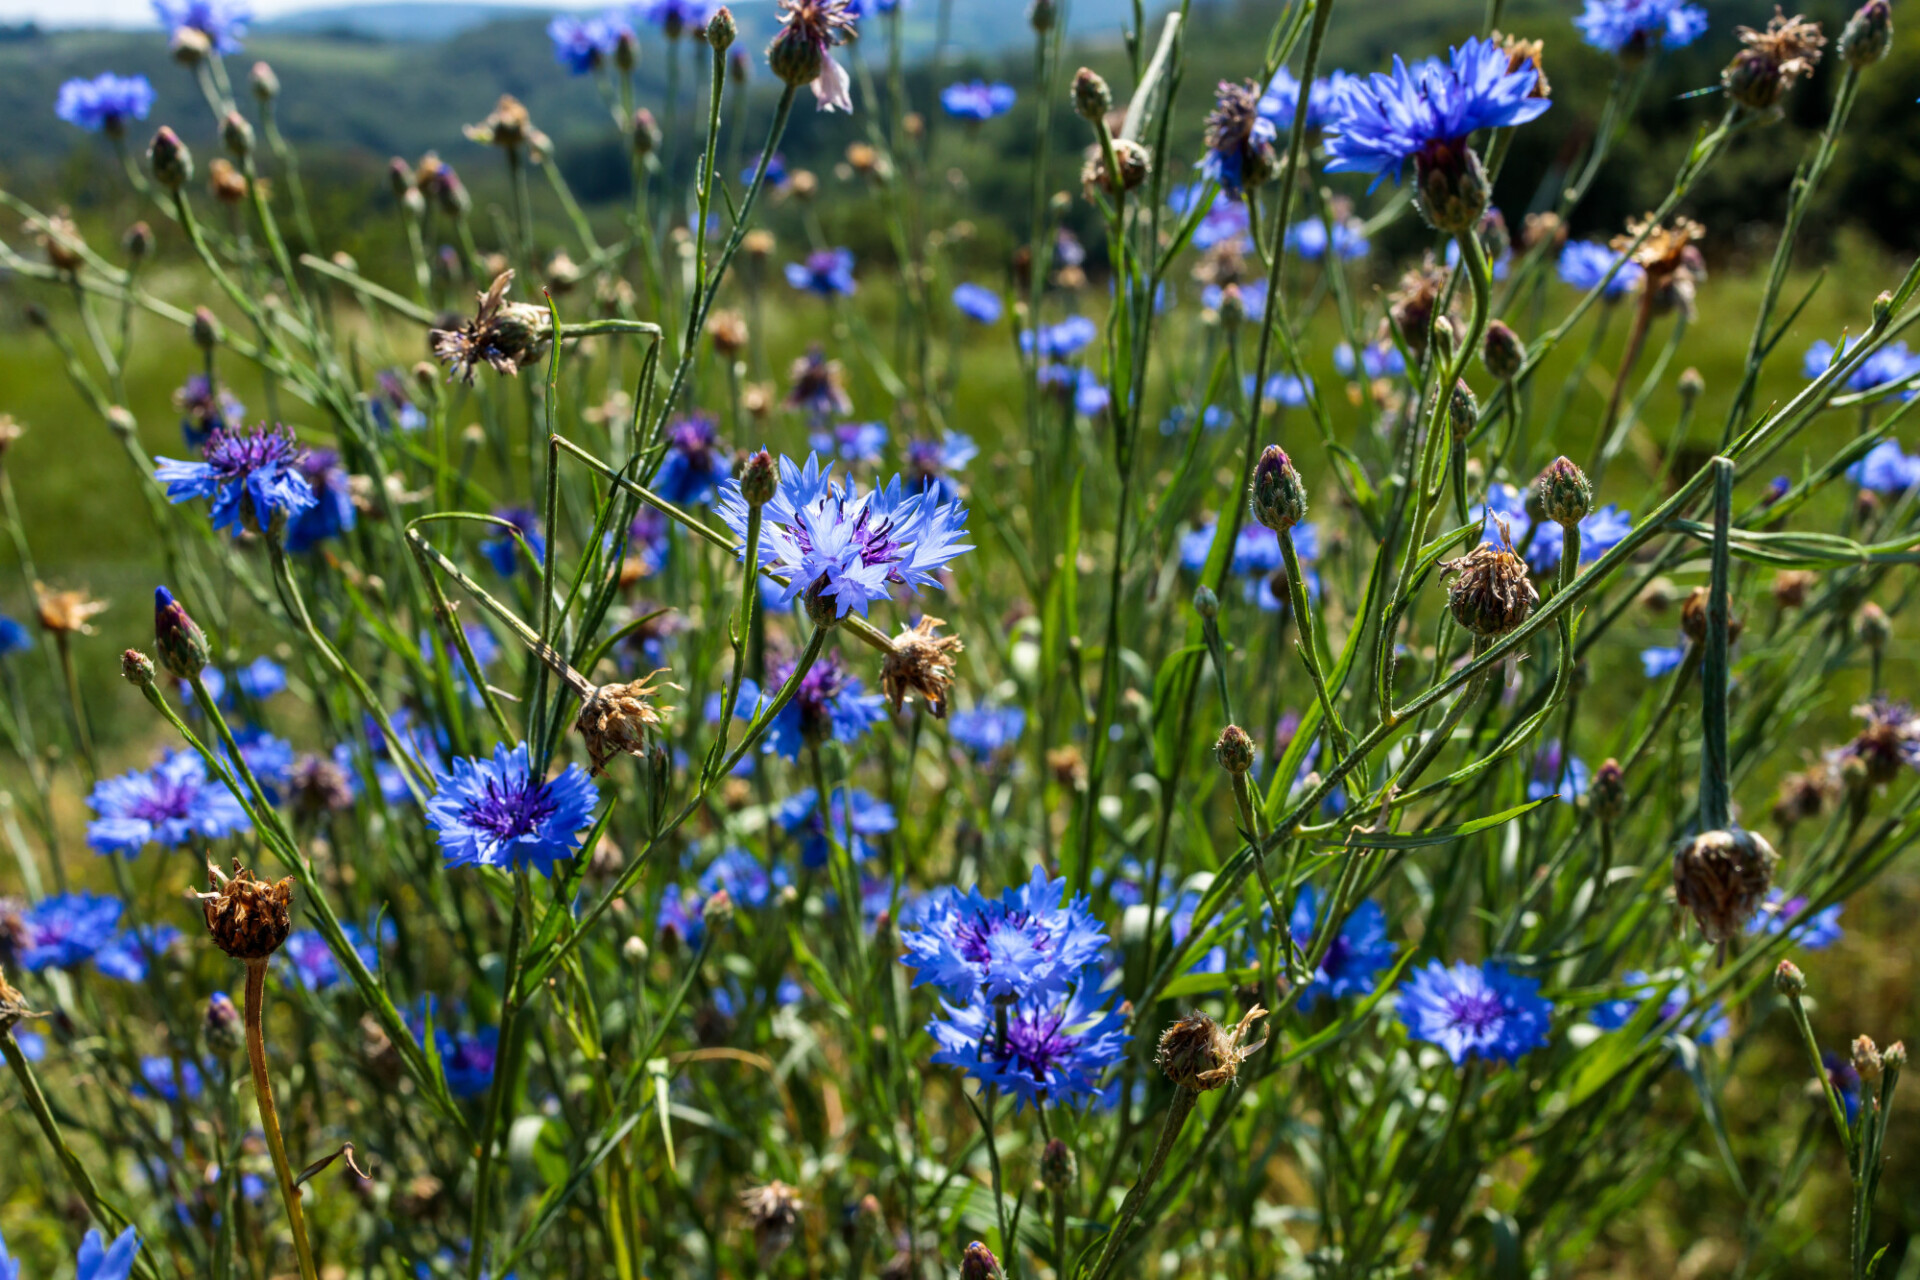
(269, 1117)
(1177, 1112)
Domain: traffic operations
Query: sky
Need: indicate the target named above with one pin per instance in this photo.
(139, 13)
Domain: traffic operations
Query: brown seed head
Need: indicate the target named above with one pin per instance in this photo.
(502, 334)
(920, 663)
(1489, 592)
(615, 719)
(1722, 877)
(1198, 1054)
(248, 918)
(66, 612)
(13, 1006)
(1693, 618)
(774, 1210)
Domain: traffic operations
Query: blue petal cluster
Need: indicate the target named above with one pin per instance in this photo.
(977, 303)
(1600, 532)
(1388, 119)
(1557, 774)
(332, 512)
(168, 805)
(1890, 364)
(1354, 958)
(1585, 263)
(694, 464)
(1031, 942)
(129, 955)
(65, 930)
(581, 45)
(1475, 1011)
(250, 477)
(222, 22)
(850, 811)
(1816, 931)
(987, 730)
(851, 547)
(1634, 27)
(1055, 1047)
(496, 813)
(105, 103)
(1886, 468)
(977, 100)
(1705, 1026)
(827, 272)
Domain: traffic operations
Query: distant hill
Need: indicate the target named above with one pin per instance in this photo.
(400, 22)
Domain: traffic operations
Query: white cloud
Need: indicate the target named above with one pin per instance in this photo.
(139, 13)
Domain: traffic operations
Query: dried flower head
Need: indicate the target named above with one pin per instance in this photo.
(1773, 60)
(60, 240)
(1198, 1054)
(1135, 162)
(1523, 53)
(615, 718)
(1490, 593)
(1412, 305)
(774, 1210)
(225, 182)
(1722, 877)
(66, 612)
(502, 334)
(920, 663)
(249, 918)
(1803, 795)
(1890, 740)
(1693, 618)
(1670, 255)
(13, 1006)
(1790, 587)
(509, 127)
(728, 330)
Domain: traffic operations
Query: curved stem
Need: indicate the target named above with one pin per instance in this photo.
(270, 1118)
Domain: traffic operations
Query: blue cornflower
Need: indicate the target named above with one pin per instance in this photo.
(1226, 218)
(1706, 1026)
(1662, 660)
(14, 638)
(1239, 139)
(1844, 1079)
(467, 1060)
(799, 815)
(133, 951)
(260, 679)
(205, 408)
(65, 930)
(1890, 364)
(1060, 341)
(1475, 1011)
(650, 538)
(694, 463)
(250, 477)
(1057, 1047)
(862, 442)
(679, 918)
(931, 463)
(817, 385)
(1816, 931)
(1308, 239)
(582, 44)
(1377, 360)
(1427, 112)
(1257, 558)
(222, 22)
(777, 174)
(1632, 27)
(844, 545)
(977, 303)
(829, 704)
(977, 100)
(306, 955)
(676, 17)
(270, 759)
(1885, 468)
(1029, 943)
(1285, 389)
(495, 813)
(1353, 959)
(1253, 300)
(158, 1072)
(1600, 532)
(105, 103)
(986, 731)
(1557, 774)
(826, 272)
(1081, 388)
(97, 1260)
(1585, 263)
(503, 549)
(745, 881)
(1281, 100)
(167, 805)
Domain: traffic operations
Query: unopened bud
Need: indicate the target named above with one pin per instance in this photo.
(1566, 495)
(1277, 496)
(759, 479)
(1868, 34)
(178, 639)
(1091, 97)
(1442, 342)
(1234, 751)
(266, 85)
(721, 29)
(717, 909)
(1043, 14)
(1894, 1056)
(646, 133)
(634, 949)
(1882, 309)
(168, 157)
(1866, 1058)
(1206, 603)
(1871, 627)
(1789, 981)
(237, 134)
(1463, 410)
(137, 667)
(1607, 792)
(221, 1028)
(1503, 351)
(1058, 1167)
(138, 241)
(206, 329)
(978, 1263)
(1690, 385)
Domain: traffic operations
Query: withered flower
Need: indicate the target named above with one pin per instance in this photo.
(1490, 593)
(66, 612)
(249, 918)
(1671, 257)
(1411, 305)
(774, 1210)
(1722, 877)
(509, 127)
(920, 663)
(615, 718)
(728, 330)
(1773, 60)
(502, 334)
(1522, 53)
(60, 241)
(1198, 1054)
(1693, 618)
(13, 1006)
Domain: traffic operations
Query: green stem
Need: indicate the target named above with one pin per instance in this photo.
(270, 1118)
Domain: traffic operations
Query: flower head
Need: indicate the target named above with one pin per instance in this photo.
(845, 546)
(987, 731)
(1889, 742)
(1890, 364)
(617, 719)
(1886, 468)
(1555, 773)
(204, 408)
(248, 917)
(170, 805)
(221, 22)
(1057, 1047)
(502, 334)
(1060, 341)
(1309, 238)
(1426, 113)
(1772, 60)
(1585, 263)
(332, 512)
(920, 664)
(977, 100)
(743, 878)
(1704, 1026)
(1489, 593)
(818, 385)
(503, 549)
(1280, 102)
(855, 815)
(1198, 1054)
(65, 930)
(802, 52)
(854, 441)
(495, 813)
(1722, 877)
(250, 476)
(1475, 1011)
(827, 272)
(311, 961)
(694, 463)
(1031, 941)
(1355, 956)
(676, 17)
(583, 44)
(105, 103)
(1240, 139)
(1815, 931)
(1632, 28)
(66, 612)
(977, 302)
